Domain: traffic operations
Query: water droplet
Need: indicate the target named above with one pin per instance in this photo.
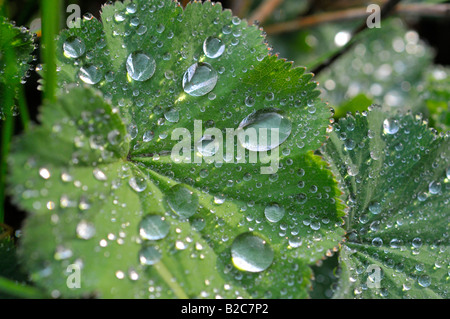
(207, 146)
(199, 79)
(424, 281)
(85, 230)
(390, 126)
(434, 187)
(375, 208)
(149, 255)
(274, 213)
(140, 67)
(99, 174)
(44, 173)
(213, 47)
(256, 130)
(148, 136)
(251, 253)
(172, 115)
(139, 184)
(90, 74)
(377, 242)
(182, 201)
(153, 227)
(74, 47)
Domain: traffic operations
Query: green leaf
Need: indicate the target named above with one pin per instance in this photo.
(109, 165)
(394, 172)
(16, 46)
(435, 96)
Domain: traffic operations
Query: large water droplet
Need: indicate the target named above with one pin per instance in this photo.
(90, 74)
(149, 255)
(274, 213)
(390, 126)
(199, 79)
(74, 47)
(251, 253)
(182, 201)
(85, 230)
(213, 47)
(140, 67)
(153, 227)
(257, 132)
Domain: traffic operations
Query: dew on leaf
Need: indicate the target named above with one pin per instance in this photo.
(140, 66)
(182, 201)
(74, 47)
(148, 136)
(434, 187)
(149, 256)
(274, 213)
(90, 74)
(207, 146)
(153, 227)
(390, 126)
(213, 47)
(424, 281)
(255, 131)
(44, 173)
(251, 253)
(85, 230)
(138, 184)
(375, 208)
(99, 174)
(172, 115)
(199, 79)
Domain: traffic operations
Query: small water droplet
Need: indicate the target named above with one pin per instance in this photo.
(390, 126)
(90, 74)
(375, 208)
(74, 47)
(213, 47)
(182, 201)
(434, 187)
(99, 174)
(139, 184)
(85, 230)
(256, 130)
(44, 173)
(148, 136)
(251, 253)
(172, 115)
(140, 66)
(207, 146)
(153, 227)
(149, 256)
(274, 213)
(424, 281)
(199, 79)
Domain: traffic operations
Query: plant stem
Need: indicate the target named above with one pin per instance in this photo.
(23, 108)
(50, 10)
(418, 9)
(7, 131)
(264, 11)
(14, 289)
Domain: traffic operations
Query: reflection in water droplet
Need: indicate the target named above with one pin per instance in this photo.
(140, 67)
(251, 253)
(258, 131)
(74, 47)
(390, 126)
(424, 281)
(149, 255)
(138, 184)
(90, 74)
(213, 47)
(85, 230)
(274, 213)
(182, 201)
(434, 187)
(199, 79)
(153, 227)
